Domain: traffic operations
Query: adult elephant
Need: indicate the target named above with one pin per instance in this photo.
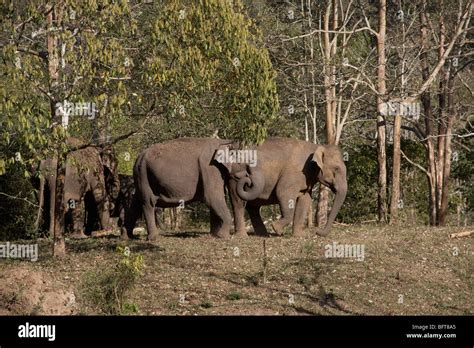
(91, 180)
(290, 168)
(176, 172)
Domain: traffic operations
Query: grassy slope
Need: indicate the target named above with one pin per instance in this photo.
(416, 262)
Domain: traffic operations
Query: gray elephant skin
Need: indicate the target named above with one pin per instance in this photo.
(178, 172)
(91, 181)
(124, 202)
(285, 174)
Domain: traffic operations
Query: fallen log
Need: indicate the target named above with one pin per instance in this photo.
(461, 234)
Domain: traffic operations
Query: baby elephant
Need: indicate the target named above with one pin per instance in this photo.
(176, 172)
(124, 201)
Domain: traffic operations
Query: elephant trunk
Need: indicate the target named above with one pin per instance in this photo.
(251, 186)
(340, 192)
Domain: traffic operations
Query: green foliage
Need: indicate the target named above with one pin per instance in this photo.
(206, 304)
(206, 67)
(107, 289)
(91, 46)
(17, 206)
(463, 172)
(361, 199)
(234, 296)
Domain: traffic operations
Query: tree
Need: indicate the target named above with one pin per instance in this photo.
(66, 53)
(448, 68)
(129, 62)
(205, 67)
(381, 91)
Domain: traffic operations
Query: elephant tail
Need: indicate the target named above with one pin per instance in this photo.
(140, 176)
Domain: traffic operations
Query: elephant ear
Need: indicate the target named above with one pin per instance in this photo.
(221, 155)
(318, 156)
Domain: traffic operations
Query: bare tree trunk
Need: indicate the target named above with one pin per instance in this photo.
(314, 89)
(330, 95)
(428, 112)
(444, 76)
(331, 126)
(395, 196)
(53, 19)
(179, 219)
(381, 89)
(41, 201)
(459, 205)
(395, 171)
(443, 211)
(329, 72)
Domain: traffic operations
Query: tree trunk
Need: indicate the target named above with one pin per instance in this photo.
(381, 89)
(53, 19)
(330, 99)
(40, 201)
(444, 76)
(395, 196)
(59, 248)
(444, 204)
(428, 113)
(395, 171)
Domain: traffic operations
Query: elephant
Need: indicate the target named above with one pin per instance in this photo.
(124, 201)
(91, 179)
(180, 171)
(285, 174)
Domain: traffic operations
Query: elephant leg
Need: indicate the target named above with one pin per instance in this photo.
(130, 217)
(301, 212)
(77, 213)
(215, 222)
(149, 213)
(257, 222)
(287, 205)
(219, 209)
(100, 199)
(121, 218)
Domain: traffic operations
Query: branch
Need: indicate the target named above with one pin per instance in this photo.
(414, 130)
(114, 140)
(19, 198)
(415, 164)
(459, 30)
(331, 32)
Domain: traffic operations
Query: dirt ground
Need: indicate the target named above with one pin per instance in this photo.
(405, 271)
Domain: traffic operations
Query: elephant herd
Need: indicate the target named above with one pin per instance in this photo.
(186, 170)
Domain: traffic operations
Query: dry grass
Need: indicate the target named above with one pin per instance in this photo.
(195, 274)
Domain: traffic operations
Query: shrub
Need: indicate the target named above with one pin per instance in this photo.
(106, 290)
